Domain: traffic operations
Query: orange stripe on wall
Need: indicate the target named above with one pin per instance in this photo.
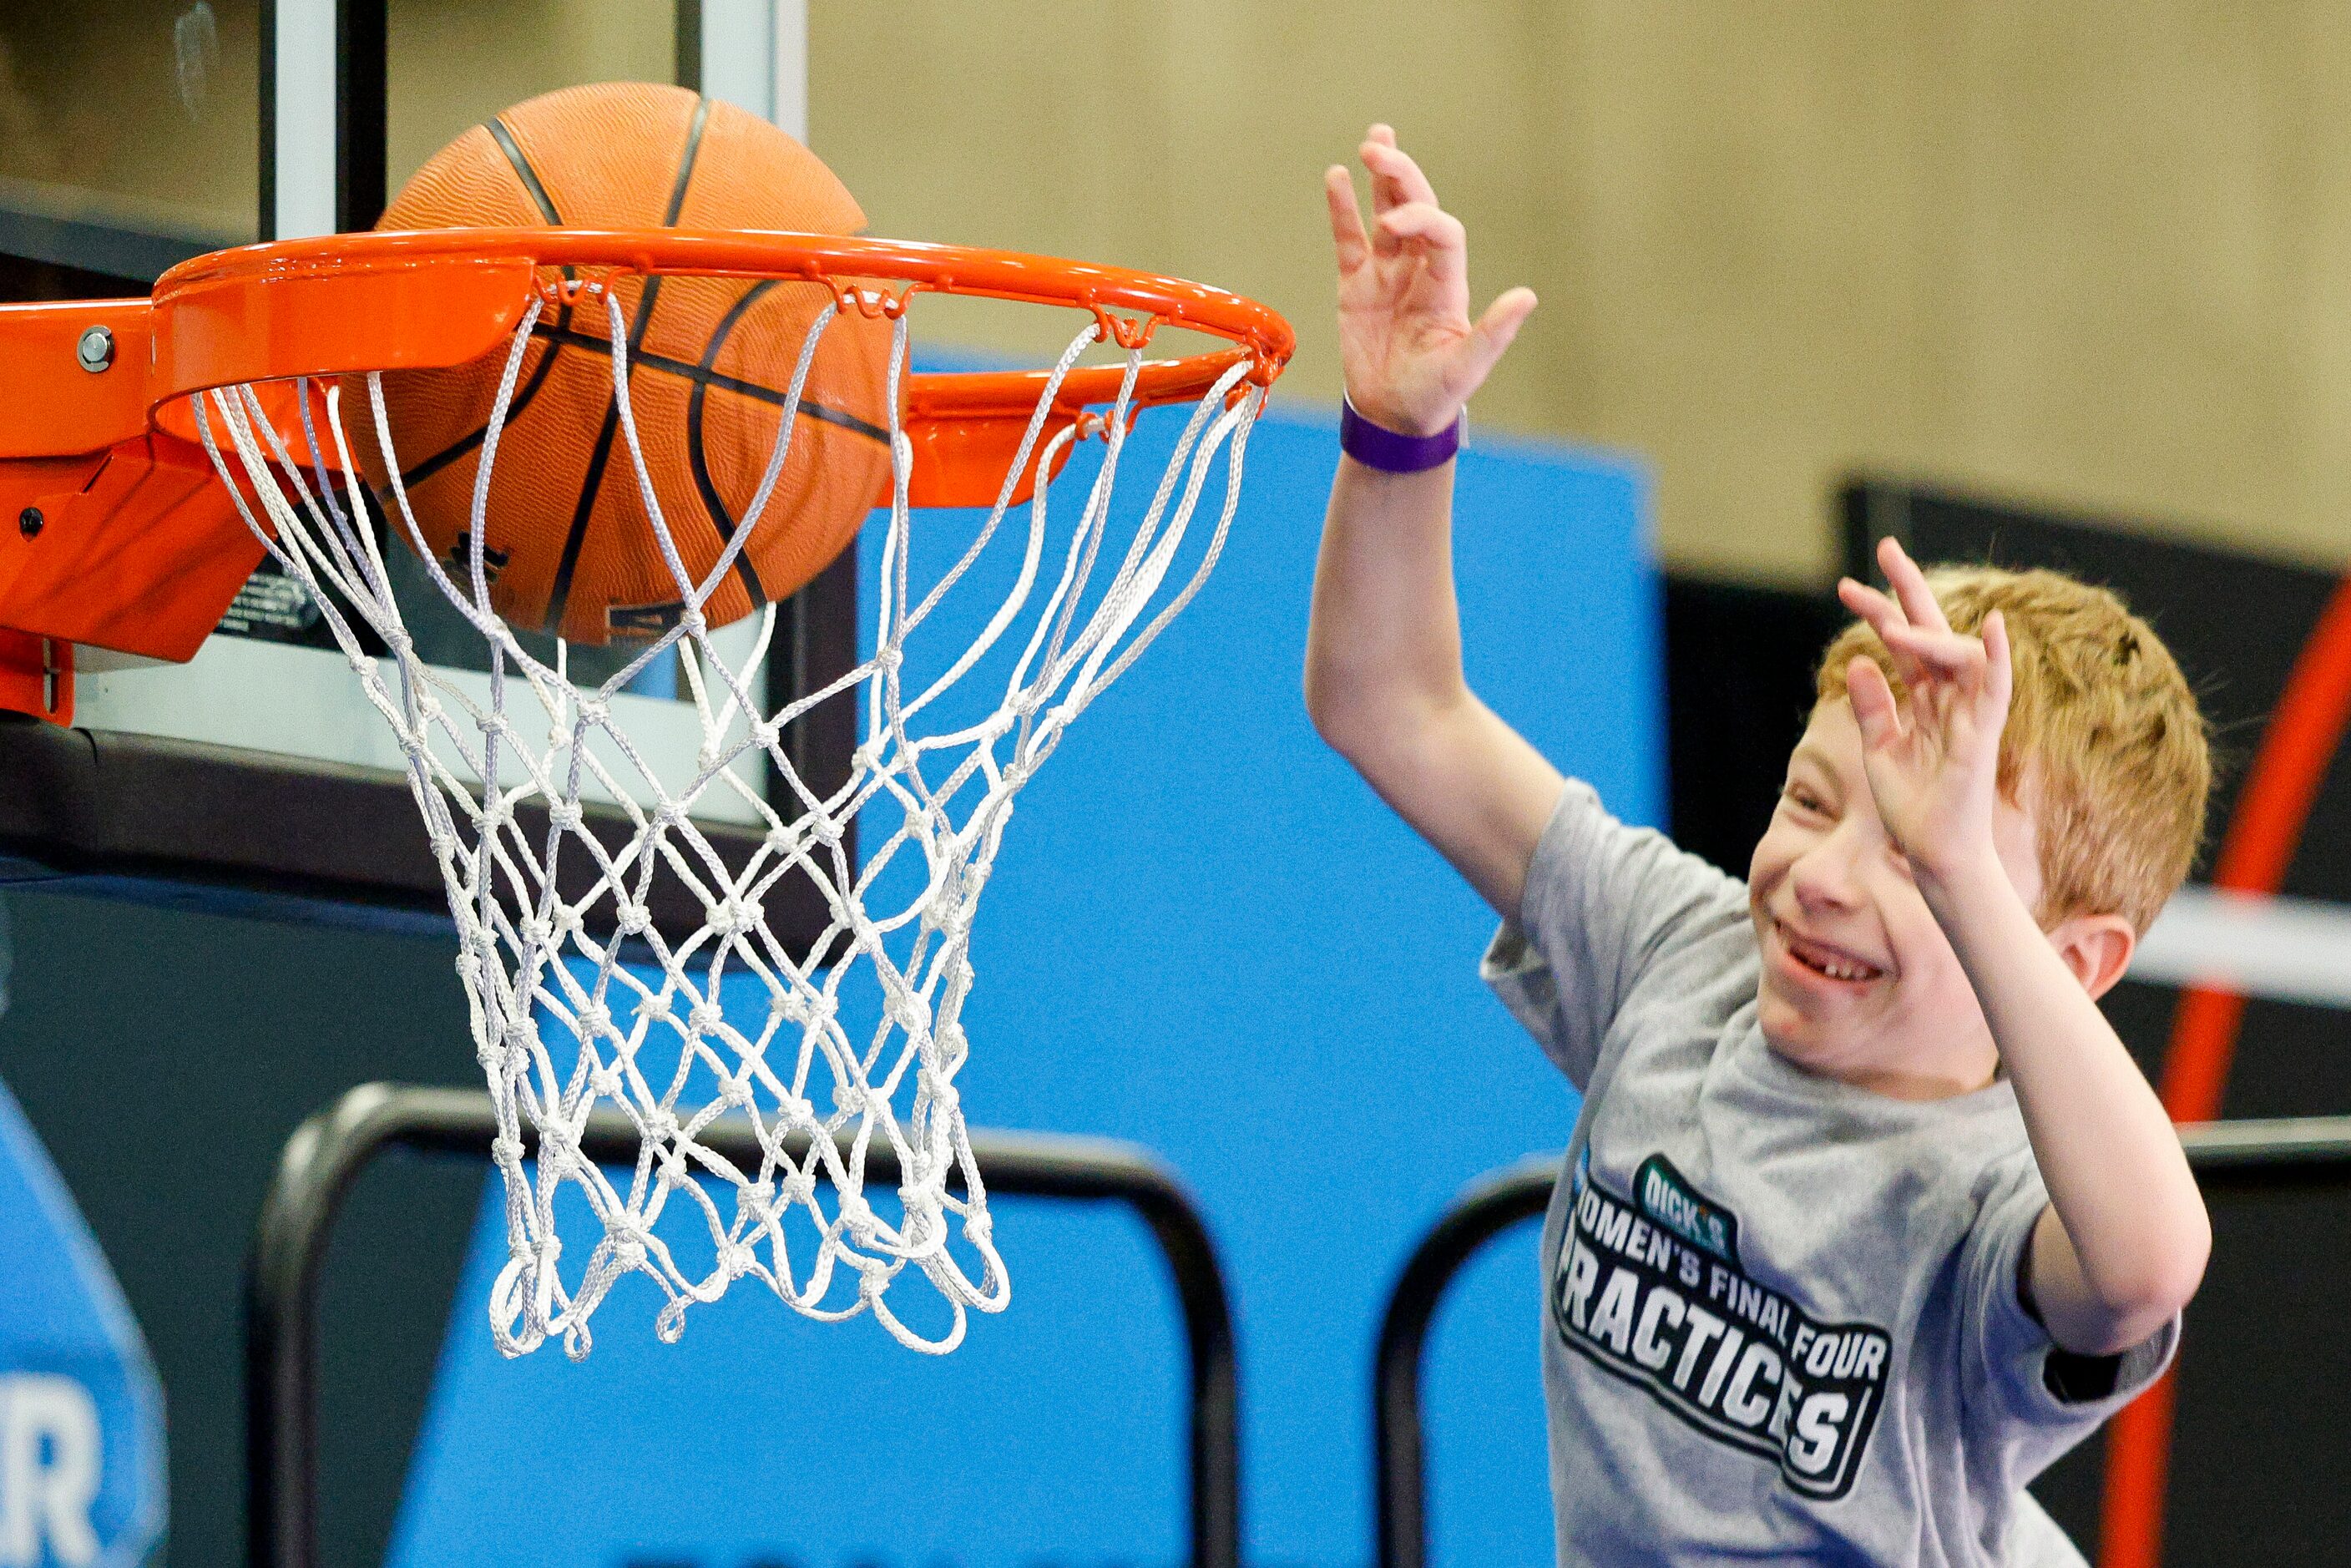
(2303, 735)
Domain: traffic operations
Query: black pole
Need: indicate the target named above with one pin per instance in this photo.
(1490, 1205)
(2298, 1154)
(328, 1152)
(362, 67)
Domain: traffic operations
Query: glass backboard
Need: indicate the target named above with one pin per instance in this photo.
(133, 135)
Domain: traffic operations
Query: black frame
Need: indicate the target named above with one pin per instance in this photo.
(2298, 1154)
(328, 1151)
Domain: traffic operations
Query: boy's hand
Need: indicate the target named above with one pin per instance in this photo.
(1410, 352)
(1933, 759)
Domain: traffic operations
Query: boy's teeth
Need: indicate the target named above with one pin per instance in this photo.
(1833, 969)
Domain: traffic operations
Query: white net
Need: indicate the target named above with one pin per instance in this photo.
(582, 1001)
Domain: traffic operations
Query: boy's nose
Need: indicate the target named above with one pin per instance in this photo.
(1822, 878)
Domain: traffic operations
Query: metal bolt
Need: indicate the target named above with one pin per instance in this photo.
(96, 349)
(28, 522)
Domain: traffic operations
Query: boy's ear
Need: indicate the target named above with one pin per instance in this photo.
(2096, 947)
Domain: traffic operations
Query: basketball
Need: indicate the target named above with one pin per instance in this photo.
(568, 544)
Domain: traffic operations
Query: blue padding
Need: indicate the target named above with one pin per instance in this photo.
(1205, 935)
(81, 1416)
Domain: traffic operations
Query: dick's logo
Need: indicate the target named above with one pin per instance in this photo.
(1654, 1293)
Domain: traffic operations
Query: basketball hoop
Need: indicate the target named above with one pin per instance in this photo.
(257, 356)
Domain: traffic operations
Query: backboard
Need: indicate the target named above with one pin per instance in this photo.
(139, 135)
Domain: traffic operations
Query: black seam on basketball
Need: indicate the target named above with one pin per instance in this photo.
(721, 523)
(721, 519)
(686, 163)
(464, 445)
(560, 595)
(516, 156)
(768, 395)
(589, 486)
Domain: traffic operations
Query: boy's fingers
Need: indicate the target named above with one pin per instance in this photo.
(1909, 585)
(2000, 675)
(1945, 651)
(1498, 325)
(1389, 161)
(1443, 243)
(1873, 703)
(1347, 235)
(1388, 190)
(1883, 617)
(1868, 603)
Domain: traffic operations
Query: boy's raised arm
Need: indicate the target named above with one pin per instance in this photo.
(2122, 1244)
(1384, 677)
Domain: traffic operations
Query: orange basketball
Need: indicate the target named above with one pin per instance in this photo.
(567, 542)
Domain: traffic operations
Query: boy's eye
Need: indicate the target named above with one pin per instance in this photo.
(1803, 800)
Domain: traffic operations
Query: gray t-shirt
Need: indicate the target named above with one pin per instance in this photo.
(1782, 1317)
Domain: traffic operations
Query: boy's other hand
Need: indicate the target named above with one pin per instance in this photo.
(1932, 758)
(1411, 354)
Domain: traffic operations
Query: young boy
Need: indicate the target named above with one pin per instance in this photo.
(1868, 1216)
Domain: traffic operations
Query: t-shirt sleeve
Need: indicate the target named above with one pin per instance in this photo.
(1603, 903)
(2026, 1394)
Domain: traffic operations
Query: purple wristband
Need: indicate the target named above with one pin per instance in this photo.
(1392, 451)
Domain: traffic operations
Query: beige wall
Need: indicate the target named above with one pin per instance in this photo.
(452, 64)
(2097, 254)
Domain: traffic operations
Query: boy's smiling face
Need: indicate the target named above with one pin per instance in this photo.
(1859, 983)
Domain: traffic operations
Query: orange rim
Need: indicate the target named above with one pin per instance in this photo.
(87, 431)
(349, 304)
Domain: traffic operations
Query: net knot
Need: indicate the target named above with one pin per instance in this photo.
(594, 709)
(557, 1150)
(633, 919)
(594, 1020)
(565, 816)
(693, 622)
(704, 1019)
(733, 917)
